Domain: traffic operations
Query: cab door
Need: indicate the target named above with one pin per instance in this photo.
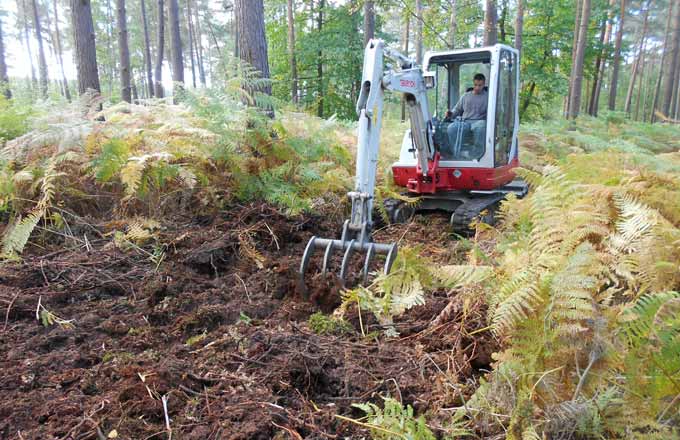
(506, 116)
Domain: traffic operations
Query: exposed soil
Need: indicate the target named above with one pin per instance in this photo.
(219, 332)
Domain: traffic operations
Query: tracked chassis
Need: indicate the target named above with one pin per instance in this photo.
(464, 206)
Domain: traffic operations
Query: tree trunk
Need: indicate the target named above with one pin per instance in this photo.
(453, 23)
(85, 49)
(677, 98)
(617, 58)
(253, 41)
(637, 64)
(198, 39)
(291, 51)
(519, 26)
(109, 44)
(147, 53)
(369, 21)
(158, 68)
(503, 19)
(405, 41)
(319, 61)
(191, 44)
(27, 39)
(666, 50)
(577, 29)
(669, 81)
(42, 62)
(177, 60)
(67, 92)
(576, 78)
(4, 79)
(642, 63)
(598, 62)
(419, 32)
(603, 57)
(490, 23)
(123, 52)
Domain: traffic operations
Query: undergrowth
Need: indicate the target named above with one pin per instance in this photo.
(158, 160)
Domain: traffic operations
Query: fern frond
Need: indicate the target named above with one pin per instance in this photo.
(638, 319)
(17, 236)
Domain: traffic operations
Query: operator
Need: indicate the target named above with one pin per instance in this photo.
(469, 115)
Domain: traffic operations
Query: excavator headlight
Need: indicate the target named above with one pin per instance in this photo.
(430, 82)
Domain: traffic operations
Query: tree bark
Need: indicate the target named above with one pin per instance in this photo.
(4, 79)
(453, 23)
(617, 58)
(599, 61)
(111, 65)
(503, 19)
(319, 62)
(158, 68)
(641, 67)
(252, 41)
(147, 52)
(577, 29)
(490, 23)
(666, 50)
(198, 40)
(67, 92)
(42, 62)
(291, 50)
(177, 60)
(669, 81)
(123, 52)
(637, 64)
(191, 44)
(519, 26)
(577, 69)
(603, 57)
(677, 98)
(369, 21)
(85, 49)
(27, 39)
(419, 32)
(405, 40)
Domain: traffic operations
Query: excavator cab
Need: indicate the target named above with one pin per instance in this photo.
(464, 139)
(464, 144)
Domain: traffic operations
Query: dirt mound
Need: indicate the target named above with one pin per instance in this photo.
(215, 338)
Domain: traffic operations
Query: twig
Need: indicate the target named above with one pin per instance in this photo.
(292, 432)
(244, 286)
(276, 241)
(164, 399)
(9, 307)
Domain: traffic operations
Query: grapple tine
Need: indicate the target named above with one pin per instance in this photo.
(345, 261)
(391, 256)
(327, 257)
(309, 250)
(369, 256)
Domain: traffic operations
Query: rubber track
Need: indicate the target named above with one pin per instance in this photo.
(468, 211)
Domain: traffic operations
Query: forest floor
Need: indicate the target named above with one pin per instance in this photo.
(224, 342)
(145, 293)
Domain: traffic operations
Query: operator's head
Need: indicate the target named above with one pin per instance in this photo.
(478, 83)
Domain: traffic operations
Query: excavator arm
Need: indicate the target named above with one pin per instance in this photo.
(356, 231)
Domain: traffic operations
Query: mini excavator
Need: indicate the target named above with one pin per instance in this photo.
(459, 166)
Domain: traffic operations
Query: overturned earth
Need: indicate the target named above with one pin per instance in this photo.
(210, 338)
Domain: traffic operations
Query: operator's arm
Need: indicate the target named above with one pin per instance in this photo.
(458, 109)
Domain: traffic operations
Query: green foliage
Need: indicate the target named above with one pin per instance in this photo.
(328, 325)
(394, 421)
(113, 156)
(14, 119)
(411, 276)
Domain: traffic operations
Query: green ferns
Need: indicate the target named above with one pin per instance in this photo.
(580, 305)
